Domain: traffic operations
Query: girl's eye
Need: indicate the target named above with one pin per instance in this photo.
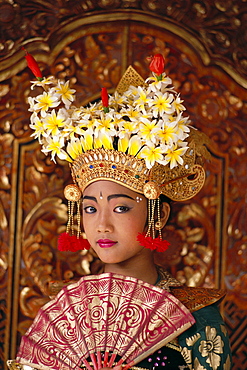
(121, 209)
(89, 209)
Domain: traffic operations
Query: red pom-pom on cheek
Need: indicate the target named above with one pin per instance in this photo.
(70, 243)
(154, 244)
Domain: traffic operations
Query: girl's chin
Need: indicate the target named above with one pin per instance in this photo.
(109, 257)
(116, 255)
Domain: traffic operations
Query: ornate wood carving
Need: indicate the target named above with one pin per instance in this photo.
(92, 43)
(218, 24)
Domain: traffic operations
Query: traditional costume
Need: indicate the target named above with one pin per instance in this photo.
(138, 138)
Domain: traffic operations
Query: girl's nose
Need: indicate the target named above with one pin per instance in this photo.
(103, 229)
(104, 225)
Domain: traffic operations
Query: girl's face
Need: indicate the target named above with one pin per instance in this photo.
(112, 217)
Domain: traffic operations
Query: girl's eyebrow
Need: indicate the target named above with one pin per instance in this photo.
(112, 196)
(90, 198)
(119, 196)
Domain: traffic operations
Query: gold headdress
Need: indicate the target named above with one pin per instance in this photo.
(138, 137)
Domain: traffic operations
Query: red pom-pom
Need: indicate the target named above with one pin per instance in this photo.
(71, 243)
(154, 244)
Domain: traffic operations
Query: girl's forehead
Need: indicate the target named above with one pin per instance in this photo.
(106, 186)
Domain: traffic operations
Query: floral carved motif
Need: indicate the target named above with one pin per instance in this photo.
(220, 25)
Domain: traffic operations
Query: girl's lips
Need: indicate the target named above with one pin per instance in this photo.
(105, 243)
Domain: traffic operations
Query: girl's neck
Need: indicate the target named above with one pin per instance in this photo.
(143, 270)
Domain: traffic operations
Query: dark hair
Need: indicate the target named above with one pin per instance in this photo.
(165, 199)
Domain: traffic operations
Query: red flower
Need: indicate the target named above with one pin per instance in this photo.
(33, 65)
(71, 243)
(157, 64)
(154, 244)
(104, 98)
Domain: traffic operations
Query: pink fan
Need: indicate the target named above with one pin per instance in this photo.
(101, 321)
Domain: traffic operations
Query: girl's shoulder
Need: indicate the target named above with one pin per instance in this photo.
(194, 298)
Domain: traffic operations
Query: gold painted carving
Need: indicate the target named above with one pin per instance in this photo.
(219, 26)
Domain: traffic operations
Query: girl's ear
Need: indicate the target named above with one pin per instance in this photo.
(164, 215)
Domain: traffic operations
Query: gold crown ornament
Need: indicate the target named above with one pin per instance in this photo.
(138, 137)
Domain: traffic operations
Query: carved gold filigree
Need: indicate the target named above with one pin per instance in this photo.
(45, 218)
(190, 255)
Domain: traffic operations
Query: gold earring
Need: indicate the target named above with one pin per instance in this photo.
(158, 225)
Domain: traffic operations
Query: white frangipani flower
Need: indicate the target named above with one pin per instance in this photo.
(45, 81)
(167, 133)
(45, 102)
(104, 124)
(162, 103)
(37, 125)
(31, 102)
(63, 90)
(55, 145)
(151, 154)
(174, 156)
(142, 99)
(177, 104)
(145, 121)
(147, 131)
(53, 122)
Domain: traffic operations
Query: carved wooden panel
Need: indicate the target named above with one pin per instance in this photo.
(92, 44)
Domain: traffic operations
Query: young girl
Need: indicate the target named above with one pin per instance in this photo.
(113, 215)
(128, 157)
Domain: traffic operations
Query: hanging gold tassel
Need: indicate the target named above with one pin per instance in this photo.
(68, 241)
(149, 240)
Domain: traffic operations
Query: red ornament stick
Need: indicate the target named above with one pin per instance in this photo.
(104, 98)
(157, 64)
(33, 65)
